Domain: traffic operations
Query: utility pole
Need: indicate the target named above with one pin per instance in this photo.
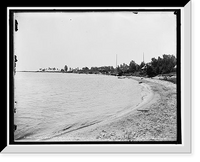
(116, 72)
(116, 60)
(143, 56)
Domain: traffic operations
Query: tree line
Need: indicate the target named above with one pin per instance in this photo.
(49, 69)
(164, 65)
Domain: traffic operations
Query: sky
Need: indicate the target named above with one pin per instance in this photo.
(86, 39)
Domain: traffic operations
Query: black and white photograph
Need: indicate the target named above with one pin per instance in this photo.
(96, 76)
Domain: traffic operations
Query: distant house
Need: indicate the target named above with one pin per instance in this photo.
(145, 66)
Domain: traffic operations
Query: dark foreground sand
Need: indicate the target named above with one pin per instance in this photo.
(153, 120)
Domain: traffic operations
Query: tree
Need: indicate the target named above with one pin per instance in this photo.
(85, 68)
(155, 65)
(132, 66)
(159, 65)
(149, 71)
(169, 62)
(119, 71)
(65, 68)
(163, 65)
(112, 69)
(124, 67)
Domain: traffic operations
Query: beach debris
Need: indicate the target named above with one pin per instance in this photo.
(103, 131)
(106, 135)
(112, 134)
(140, 82)
(142, 110)
(121, 77)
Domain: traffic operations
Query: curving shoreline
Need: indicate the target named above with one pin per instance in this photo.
(152, 120)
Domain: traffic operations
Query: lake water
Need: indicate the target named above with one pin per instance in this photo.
(52, 104)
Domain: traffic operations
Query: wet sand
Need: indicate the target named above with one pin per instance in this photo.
(152, 120)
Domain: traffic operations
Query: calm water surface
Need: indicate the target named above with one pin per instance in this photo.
(51, 104)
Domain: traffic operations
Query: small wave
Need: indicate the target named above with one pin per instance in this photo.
(71, 128)
(24, 136)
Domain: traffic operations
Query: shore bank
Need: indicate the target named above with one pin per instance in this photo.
(153, 120)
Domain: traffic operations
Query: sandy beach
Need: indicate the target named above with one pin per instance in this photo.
(152, 120)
